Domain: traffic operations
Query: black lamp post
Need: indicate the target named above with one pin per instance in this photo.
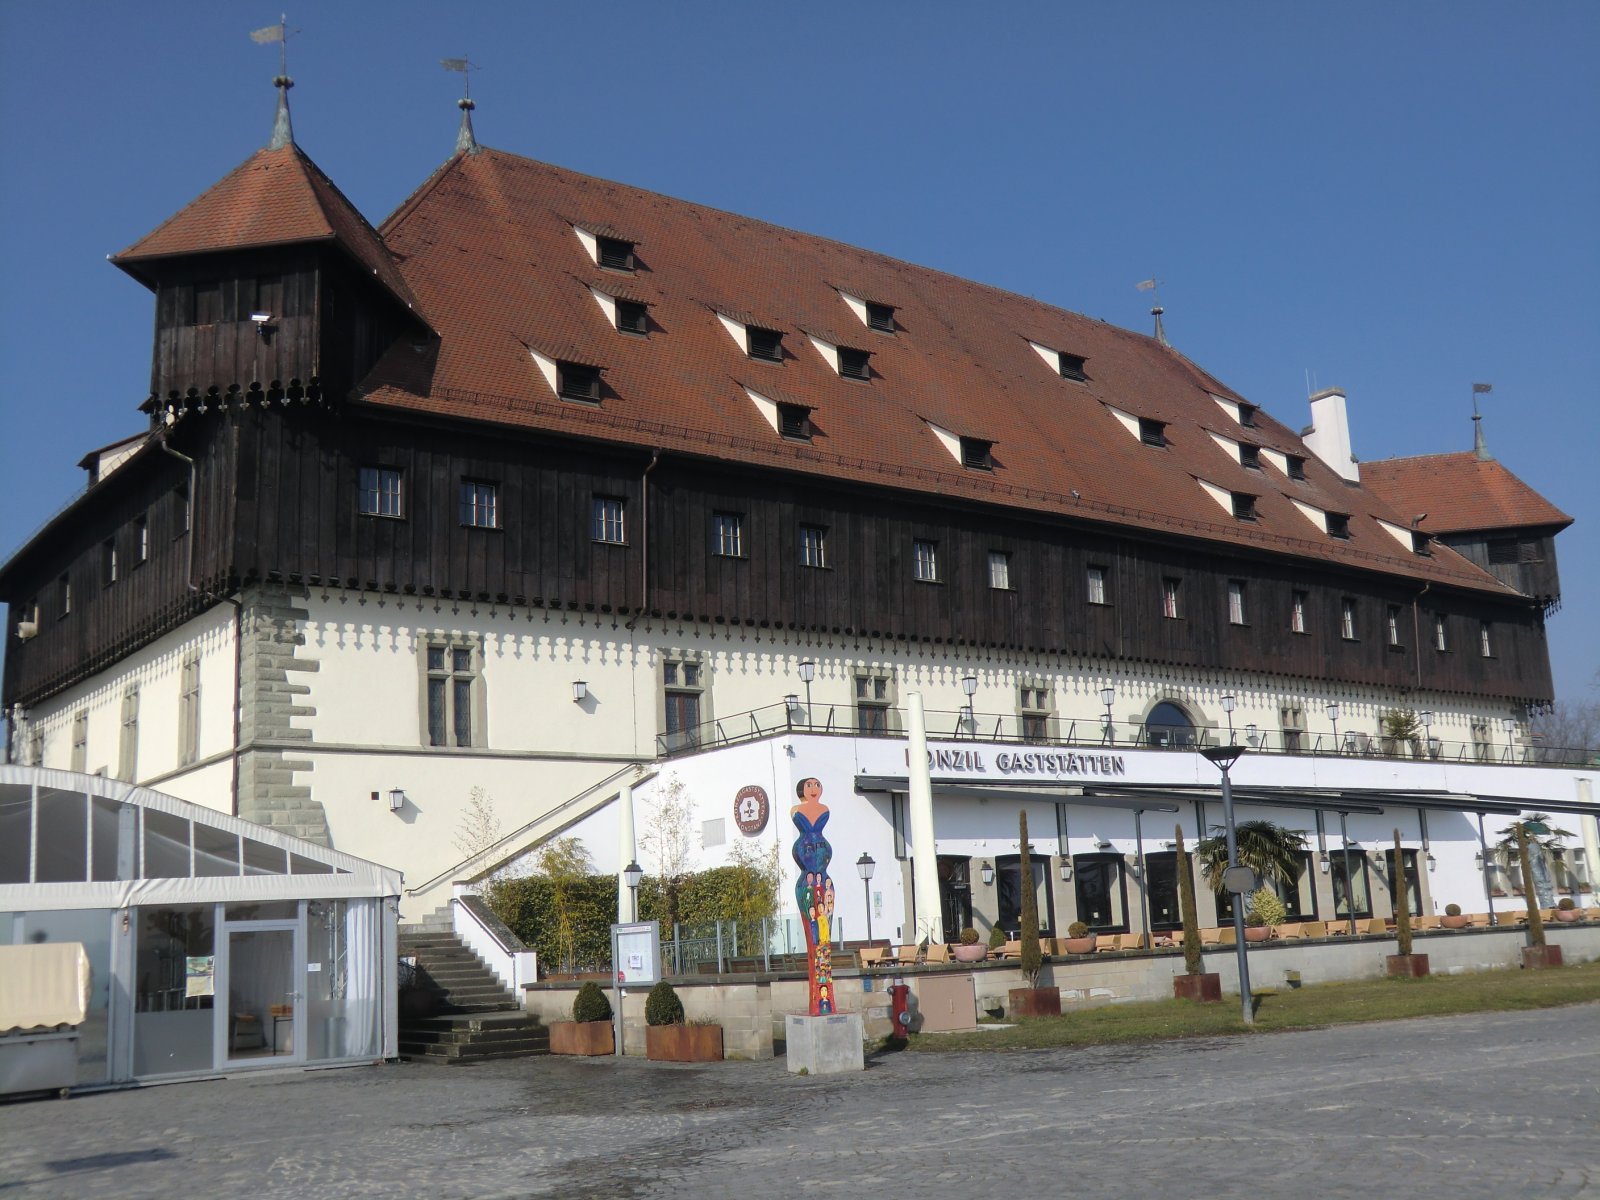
(808, 672)
(969, 685)
(1236, 879)
(1108, 697)
(632, 874)
(864, 868)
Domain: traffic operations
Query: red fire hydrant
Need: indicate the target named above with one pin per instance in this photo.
(899, 1012)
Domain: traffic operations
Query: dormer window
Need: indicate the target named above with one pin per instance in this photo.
(578, 381)
(1421, 544)
(1071, 366)
(794, 422)
(975, 454)
(1247, 415)
(880, 317)
(1244, 506)
(765, 344)
(1152, 433)
(1339, 525)
(614, 254)
(1249, 456)
(633, 317)
(855, 364)
(1297, 467)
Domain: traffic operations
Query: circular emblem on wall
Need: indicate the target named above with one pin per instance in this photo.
(750, 809)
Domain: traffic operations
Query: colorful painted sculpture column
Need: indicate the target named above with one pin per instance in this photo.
(813, 890)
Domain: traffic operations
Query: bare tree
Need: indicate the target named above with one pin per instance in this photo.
(1571, 724)
(480, 824)
(667, 839)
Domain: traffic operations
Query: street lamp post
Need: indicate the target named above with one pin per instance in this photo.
(1108, 697)
(969, 685)
(1228, 703)
(1333, 715)
(864, 868)
(808, 672)
(1236, 879)
(632, 874)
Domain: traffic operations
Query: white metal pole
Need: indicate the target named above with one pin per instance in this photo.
(927, 917)
(626, 852)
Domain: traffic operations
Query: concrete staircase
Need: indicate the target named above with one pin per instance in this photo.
(475, 1017)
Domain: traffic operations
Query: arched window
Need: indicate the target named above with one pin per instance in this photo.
(1168, 725)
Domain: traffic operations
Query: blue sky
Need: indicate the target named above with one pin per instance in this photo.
(1395, 199)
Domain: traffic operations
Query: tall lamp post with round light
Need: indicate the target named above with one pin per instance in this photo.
(864, 868)
(1108, 697)
(1237, 879)
(632, 874)
(808, 672)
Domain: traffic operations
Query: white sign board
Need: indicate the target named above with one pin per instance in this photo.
(636, 951)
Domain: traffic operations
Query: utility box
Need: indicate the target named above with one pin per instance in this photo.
(946, 1003)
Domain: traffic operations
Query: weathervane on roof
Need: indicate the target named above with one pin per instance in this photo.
(1153, 286)
(282, 132)
(1480, 448)
(466, 142)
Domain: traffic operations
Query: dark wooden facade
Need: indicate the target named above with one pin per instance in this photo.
(277, 499)
(1521, 558)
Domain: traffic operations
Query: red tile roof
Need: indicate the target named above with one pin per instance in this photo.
(1460, 493)
(273, 198)
(488, 246)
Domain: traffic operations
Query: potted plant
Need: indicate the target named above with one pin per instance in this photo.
(1404, 965)
(589, 1032)
(1195, 983)
(1078, 940)
(668, 1039)
(1536, 954)
(1566, 910)
(997, 939)
(1265, 911)
(1453, 918)
(1031, 1000)
(969, 949)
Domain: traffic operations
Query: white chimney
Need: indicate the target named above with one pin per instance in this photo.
(1329, 434)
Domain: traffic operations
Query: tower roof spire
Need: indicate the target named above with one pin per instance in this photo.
(282, 129)
(466, 140)
(1480, 447)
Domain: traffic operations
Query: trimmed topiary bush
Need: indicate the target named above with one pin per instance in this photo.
(997, 938)
(591, 1004)
(1265, 908)
(1565, 904)
(1077, 930)
(1452, 910)
(662, 1006)
(969, 936)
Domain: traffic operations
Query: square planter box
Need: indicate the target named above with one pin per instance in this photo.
(588, 1038)
(1033, 1002)
(1537, 957)
(1406, 966)
(683, 1043)
(1203, 989)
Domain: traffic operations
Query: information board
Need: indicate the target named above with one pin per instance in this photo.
(636, 951)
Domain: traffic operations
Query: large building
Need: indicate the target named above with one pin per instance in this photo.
(548, 485)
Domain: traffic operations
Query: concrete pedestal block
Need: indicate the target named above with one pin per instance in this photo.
(828, 1045)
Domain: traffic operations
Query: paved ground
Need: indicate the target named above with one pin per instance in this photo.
(1500, 1105)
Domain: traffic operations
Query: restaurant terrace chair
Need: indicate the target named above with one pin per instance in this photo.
(1425, 922)
(1375, 925)
(1132, 941)
(1478, 920)
(872, 956)
(1313, 929)
(1108, 941)
(906, 956)
(1289, 930)
(938, 952)
(1012, 949)
(1591, 914)
(1211, 935)
(1226, 936)
(1047, 945)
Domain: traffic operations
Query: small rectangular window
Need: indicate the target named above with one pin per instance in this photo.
(1441, 633)
(872, 704)
(765, 344)
(1152, 433)
(1297, 467)
(108, 561)
(1169, 599)
(1244, 506)
(682, 693)
(1292, 725)
(141, 540)
(64, 592)
(854, 364)
(1247, 415)
(1034, 710)
(380, 492)
(189, 712)
(880, 317)
(1297, 613)
(1072, 366)
(1338, 525)
(1000, 570)
(480, 504)
(578, 381)
(794, 422)
(80, 742)
(1097, 585)
(450, 688)
(183, 505)
(614, 253)
(633, 317)
(926, 561)
(128, 747)
(1485, 644)
(975, 454)
(1249, 456)
(1392, 626)
(608, 521)
(813, 546)
(1421, 544)
(727, 534)
(1236, 607)
(1347, 619)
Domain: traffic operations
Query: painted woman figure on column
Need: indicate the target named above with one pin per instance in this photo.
(813, 890)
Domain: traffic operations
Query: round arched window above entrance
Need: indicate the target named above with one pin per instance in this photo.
(1168, 725)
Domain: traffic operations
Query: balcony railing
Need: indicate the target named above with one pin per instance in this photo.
(1097, 732)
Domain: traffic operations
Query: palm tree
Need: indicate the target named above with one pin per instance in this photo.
(1541, 833)
(1270, 850)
